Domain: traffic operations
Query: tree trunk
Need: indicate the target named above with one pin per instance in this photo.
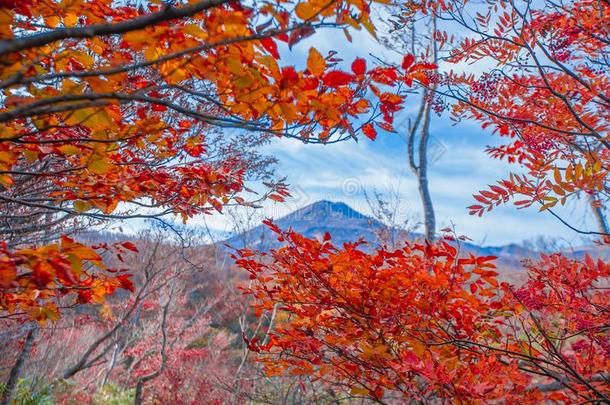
(18, 366)
(422, 175)
(419, 163)
(138, 395)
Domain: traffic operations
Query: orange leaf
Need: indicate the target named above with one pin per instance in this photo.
(369, 130)
(315, 63)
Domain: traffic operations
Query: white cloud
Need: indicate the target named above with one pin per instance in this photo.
(342, 171)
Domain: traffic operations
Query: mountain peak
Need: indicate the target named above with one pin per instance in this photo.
(343, 222)
(325, 210)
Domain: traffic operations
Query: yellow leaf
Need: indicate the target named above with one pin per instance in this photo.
(84, 58)
(31, 155)
(351, 22)
(418, 347)
(305, 11)
(135, 36)
(99, 293)
(243, 82)
(151, 53)
(99, 119)
(289, 112)
(316, 63)
(195, 30)
(77, 117)
(99, 165)
(552, 202)
(175, 76)
(370, 351)
(7, 157)
(6, 20)
(81, 206)
(137, 39)
(234, 66)
(270, 63)
(76, 263)
(99, 85)
(359, 391)
(42, 314)
(70, 20)
(71, 87)
(69, 150)
(6, 132)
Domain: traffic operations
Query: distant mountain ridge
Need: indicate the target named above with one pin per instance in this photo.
(348, 225)
(343, 222)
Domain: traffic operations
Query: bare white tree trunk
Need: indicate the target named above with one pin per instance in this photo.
(418, 161)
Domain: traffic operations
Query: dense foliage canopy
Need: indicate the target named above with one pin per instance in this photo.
(156, 110)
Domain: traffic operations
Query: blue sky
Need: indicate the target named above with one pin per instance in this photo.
(342, 172)
(345, 171)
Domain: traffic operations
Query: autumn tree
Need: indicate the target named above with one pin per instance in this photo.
(152, 111)
(150, 343)
(425, 322)
(108, 114)
(545, 88)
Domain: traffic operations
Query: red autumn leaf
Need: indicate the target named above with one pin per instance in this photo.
(125, 282)
(159, 107)
(337, 78)
(386, 126)
(299, 34)
(289, 76)
(276, 197)
(407, 61)
(369, 130)
(423, 66)
(283, 37)
(504, 130)
(129, 246)
(310, 83)
(271, 47)
(184, 124)
(384, 75)
(21, 6)
(359, 67)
